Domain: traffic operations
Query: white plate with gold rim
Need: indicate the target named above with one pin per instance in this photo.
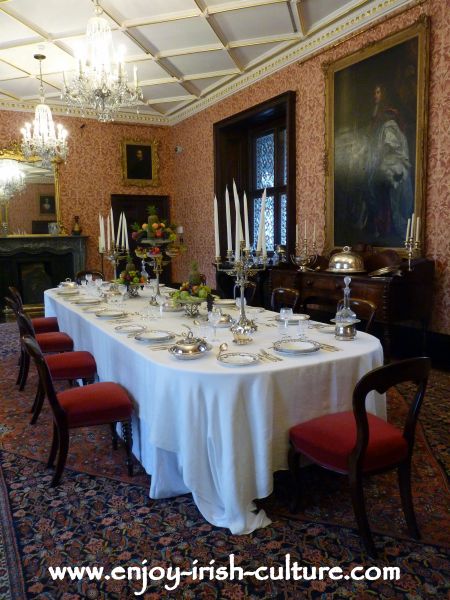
(110, 314)
(130, 328)
(87, 301)
(154, 335)
(237, 359)
(296, 346)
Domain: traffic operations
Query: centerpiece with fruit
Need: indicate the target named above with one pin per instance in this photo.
(158, 234)
(131, 278)
(192, 292)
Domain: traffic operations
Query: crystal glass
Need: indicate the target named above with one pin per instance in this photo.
(285, 315)
(214, 317)
(238, 302)
(302, 325)
(88, 278)
(160, 299)
(123, 291)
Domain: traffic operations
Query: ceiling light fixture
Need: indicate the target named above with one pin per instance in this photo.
(41, 139)
(101, 82)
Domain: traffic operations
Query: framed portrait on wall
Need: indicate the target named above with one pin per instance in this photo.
(47, 204)
(140, 164)
(376, 121)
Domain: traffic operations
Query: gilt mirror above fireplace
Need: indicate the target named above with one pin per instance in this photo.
(32, 208)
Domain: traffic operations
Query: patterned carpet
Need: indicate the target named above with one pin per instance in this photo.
(98, 516)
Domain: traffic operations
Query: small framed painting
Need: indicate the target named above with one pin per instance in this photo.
(47, 204)
(140, 164)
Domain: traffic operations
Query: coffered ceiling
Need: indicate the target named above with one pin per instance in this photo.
(189, 53)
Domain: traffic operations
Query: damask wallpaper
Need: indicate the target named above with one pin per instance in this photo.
(93, 172)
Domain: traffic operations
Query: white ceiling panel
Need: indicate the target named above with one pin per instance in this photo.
(256, 22)
(13, 32)
(185, 50)
(164, 90)
(147, 9)
(202, 62)
(248, 55)
(25, 88)
(174, 35)
(316, 10)
(22, 57)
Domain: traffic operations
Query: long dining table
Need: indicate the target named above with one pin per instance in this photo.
(213, 430)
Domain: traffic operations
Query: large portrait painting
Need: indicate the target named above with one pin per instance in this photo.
(376, 134)
(140, 165)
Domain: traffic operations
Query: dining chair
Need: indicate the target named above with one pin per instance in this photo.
(81, 275)
(96, 404)
(49, 342)
(284, 297)
(364, 309)
(40, 324)
(249, 291)
(359, 444)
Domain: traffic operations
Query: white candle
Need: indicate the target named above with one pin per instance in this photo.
(100, 232)
(411, 235)
(296, 234)
(408, 225)
(108, 227)
(125, 232)
(305, 231)
(237, 210)
(216, 228)
(314, 233)
(228, 218)
(247, 233)
(120, 241)
(112, 225)
(417, 229)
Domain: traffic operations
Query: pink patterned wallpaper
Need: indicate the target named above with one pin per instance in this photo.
(193, 185)
(92, 172)
(24, 207)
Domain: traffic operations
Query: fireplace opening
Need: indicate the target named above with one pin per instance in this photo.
(34, 279)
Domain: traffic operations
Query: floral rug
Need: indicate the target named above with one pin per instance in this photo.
(99, 516)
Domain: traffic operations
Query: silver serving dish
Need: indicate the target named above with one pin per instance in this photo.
(190, 347)
(346, 330)
(346, 261)
(226, 320)
(68, 283)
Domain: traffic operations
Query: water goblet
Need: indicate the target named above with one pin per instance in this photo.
(160, 299)
(123, 291)
(214, 317)
(285, 314)
(302, 325)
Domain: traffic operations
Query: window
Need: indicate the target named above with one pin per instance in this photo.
(269, 160)
(256, 148)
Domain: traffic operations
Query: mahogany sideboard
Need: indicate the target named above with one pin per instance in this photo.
(398, 298)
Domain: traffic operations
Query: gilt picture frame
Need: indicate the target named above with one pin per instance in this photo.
(376, 124)
(140, 163)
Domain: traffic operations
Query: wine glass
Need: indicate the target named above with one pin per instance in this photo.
(214, 317)
(160, 299)
(88, 278)
(286, 314)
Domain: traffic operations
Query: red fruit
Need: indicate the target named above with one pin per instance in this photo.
(134, 235)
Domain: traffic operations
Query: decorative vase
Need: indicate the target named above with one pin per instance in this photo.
(76, 229)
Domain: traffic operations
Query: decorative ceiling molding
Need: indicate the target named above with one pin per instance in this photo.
(213, 31)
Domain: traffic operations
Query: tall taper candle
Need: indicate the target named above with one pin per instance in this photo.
(120, 241)
(100, 232)
(112, 226)
(408, 226)
(417, 229)
(108, 227)
(125, 232)
(228, 218)
(237, 210)
(314, 233)
(216, 228)
(412, 227)
(247, 233)
(296, 234)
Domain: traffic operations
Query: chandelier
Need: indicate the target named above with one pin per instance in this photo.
(101, 83)
(41, 139)
(12, 180)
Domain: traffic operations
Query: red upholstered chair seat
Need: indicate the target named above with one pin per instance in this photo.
(95, 404)
(54, 342)
(72, 365)
(330, 439)
(45, 324)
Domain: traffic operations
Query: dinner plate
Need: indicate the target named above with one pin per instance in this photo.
(296, 346)
(237, 359)
(129, 328)
(67, 292)
(154, 335)
(109, 314)
(87, 301)
(93, 309)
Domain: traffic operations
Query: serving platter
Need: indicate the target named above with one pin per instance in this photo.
(237, 359)
(296, 346)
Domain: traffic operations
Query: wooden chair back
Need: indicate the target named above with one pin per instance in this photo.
(285, 297)
(80, 276)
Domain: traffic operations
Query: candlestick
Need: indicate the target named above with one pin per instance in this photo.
(247, 233)
(228, 218)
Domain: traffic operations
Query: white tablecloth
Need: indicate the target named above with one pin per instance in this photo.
(215, 431)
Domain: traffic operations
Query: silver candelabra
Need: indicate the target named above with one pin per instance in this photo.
(413, 248)
(242, 269)
(303, 258)
(115, 255)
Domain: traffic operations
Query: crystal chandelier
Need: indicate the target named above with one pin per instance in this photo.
(101, 83)
(12, 180)
(41, 139)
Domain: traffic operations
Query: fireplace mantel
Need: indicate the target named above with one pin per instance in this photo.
(61, 256)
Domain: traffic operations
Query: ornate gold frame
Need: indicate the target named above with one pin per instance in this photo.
(421, 30)
(14, 152)
(154, 181)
